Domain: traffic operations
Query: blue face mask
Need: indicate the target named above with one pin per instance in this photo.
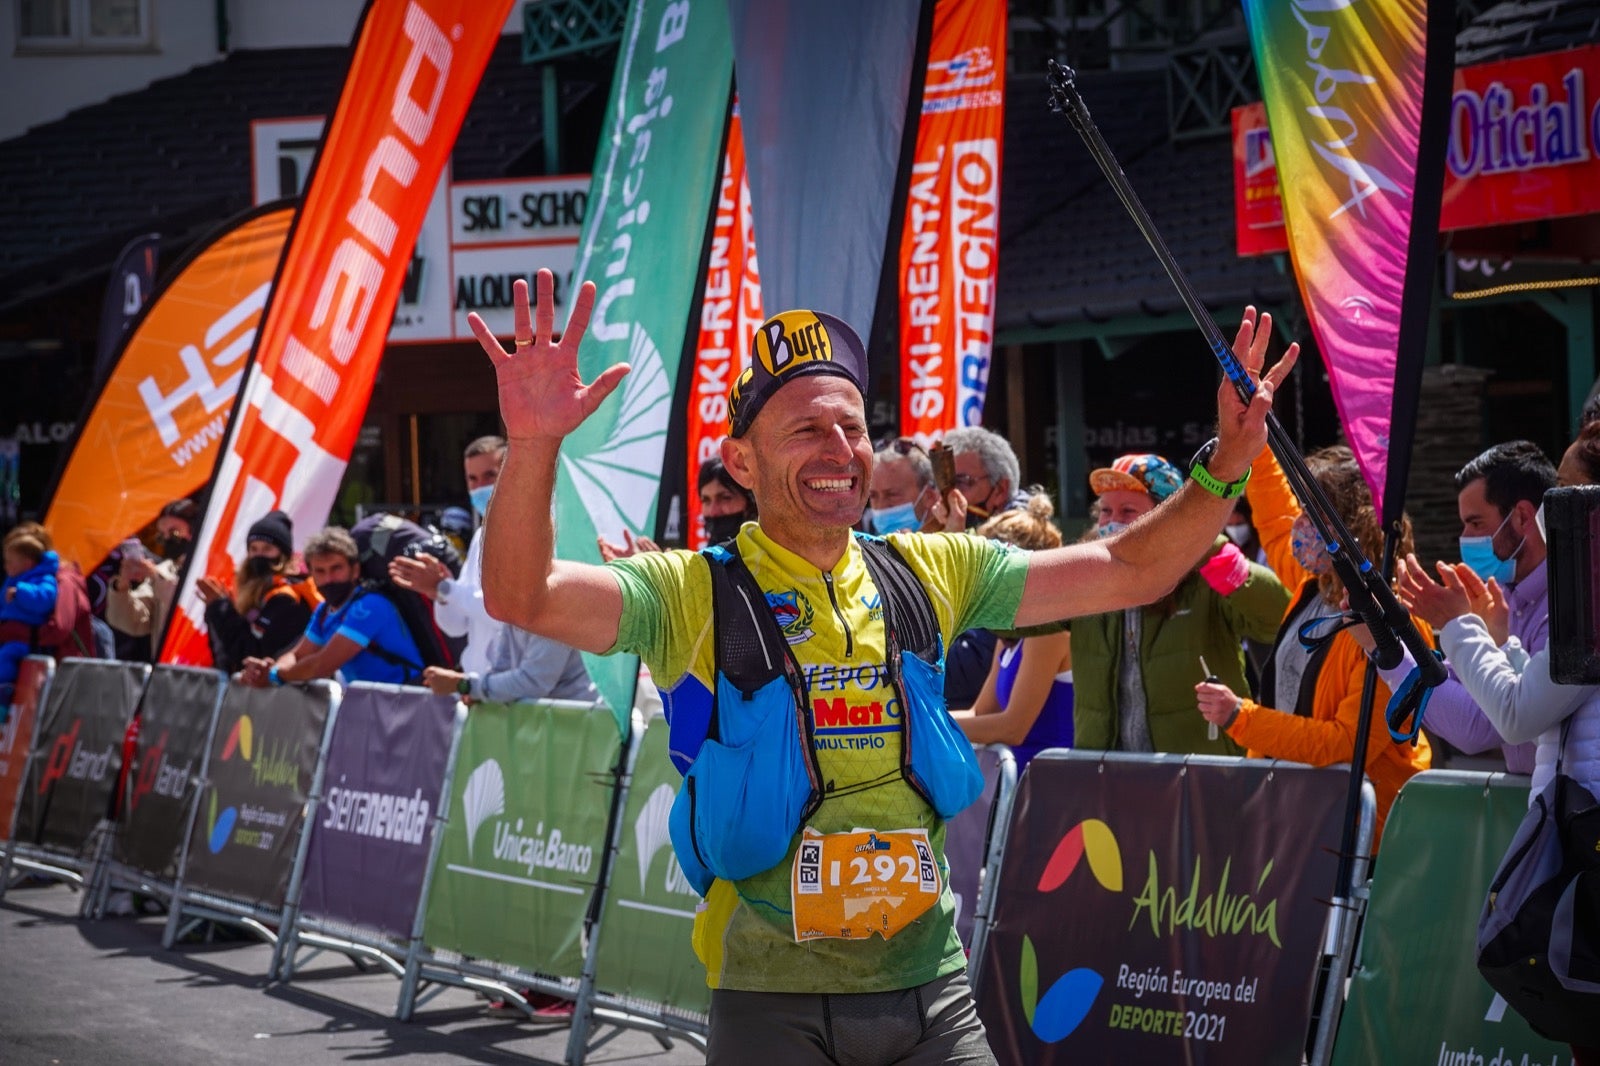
(1481, 558)
(480, 498)
(901, 519)
(1111, 529)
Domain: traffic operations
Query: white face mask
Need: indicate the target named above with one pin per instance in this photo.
(1239, 533)
(1111, 529)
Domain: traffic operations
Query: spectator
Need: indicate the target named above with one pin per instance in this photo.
(1134, 669)
(458, 602)
(355, 633)
(1499, 493)
(903, 495)
(270, 605)
(1311, 700)
(987, 473)
(725, 505)
(522, 666)
(1026, 701)
(141, 594)
(28, 600)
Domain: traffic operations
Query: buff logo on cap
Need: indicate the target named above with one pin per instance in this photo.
(791, 345)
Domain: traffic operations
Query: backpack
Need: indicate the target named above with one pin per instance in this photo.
(381, 538)
(69, 631)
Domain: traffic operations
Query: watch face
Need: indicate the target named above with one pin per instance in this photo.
(464, 686)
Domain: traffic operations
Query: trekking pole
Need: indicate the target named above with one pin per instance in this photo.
(1371, 598)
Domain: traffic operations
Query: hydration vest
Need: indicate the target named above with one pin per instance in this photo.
(754, 777)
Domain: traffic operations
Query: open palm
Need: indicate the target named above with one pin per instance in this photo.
(541, 392)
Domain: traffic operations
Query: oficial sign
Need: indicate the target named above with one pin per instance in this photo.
(1524, 135)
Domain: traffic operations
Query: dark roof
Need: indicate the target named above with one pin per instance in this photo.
(1527, 27)
(1069, 250)
(175, 157)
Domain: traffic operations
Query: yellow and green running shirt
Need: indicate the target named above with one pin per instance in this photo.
(834, 623)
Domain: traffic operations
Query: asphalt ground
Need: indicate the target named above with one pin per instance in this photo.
(79, 993)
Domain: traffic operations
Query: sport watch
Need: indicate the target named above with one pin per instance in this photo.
(464, 686)
(1198, 473)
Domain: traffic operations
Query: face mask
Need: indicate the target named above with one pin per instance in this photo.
(336, 592)
(900, 519)
(722, 527)
(1239, 534)
(1481, 558)
(1111, 529)
(259, 566)
(175, 546)
(480, 499)
(1310, 551)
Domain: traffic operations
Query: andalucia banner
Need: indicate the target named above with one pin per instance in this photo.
(1358, 98)
(642, 246)
(414, 69)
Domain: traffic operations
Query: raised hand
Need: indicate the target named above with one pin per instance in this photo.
(541, 392)
(1241, 429)
(1488, 602)
(1435, 602)
(421, 574)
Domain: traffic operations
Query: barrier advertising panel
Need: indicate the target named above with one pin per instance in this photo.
(16, 736)
(522, 851)
(1160, 909)
(966, 845)
(370, 844)
(1418, 995)
(645, 951)
(263, 755)
(85, 714)
(179, 711)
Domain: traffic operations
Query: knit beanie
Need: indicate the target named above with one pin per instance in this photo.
(276, 529)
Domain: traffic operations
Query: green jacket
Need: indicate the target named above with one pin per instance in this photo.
(1194, 621)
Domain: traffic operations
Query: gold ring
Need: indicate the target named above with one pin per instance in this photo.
(524, 343)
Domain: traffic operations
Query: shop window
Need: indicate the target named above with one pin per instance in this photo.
(83, 25)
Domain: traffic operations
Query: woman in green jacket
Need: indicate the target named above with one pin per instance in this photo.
(1135, 670)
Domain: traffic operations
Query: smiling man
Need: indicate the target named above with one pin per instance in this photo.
(811, 826)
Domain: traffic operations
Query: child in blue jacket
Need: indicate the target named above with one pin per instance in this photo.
(28, 598)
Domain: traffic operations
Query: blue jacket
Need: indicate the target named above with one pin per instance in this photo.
(35, 598)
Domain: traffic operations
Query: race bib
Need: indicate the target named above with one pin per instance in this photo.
(854, 885)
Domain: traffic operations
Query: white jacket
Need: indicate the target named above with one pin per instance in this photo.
(459, 610)
(1528, 706)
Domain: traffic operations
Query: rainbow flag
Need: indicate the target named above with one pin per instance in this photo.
(1358, 99)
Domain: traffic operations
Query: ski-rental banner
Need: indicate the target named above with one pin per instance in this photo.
(520, 860)
(374, 829)
(67, 790)
(1147, 915)
(414, 69)
(646, 950)
(949, 246)
(730, 311)
(1358, 101)
(263, 757)
(643, 239)
(153, 433)
(16, 736)
(176, 717)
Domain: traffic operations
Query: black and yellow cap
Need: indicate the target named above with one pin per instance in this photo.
(791, 345)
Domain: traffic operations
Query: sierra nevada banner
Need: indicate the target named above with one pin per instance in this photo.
(950, 243)
(730, 312)
(415, 67)
(1358, 100)
(153, 432)
(642, 246)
